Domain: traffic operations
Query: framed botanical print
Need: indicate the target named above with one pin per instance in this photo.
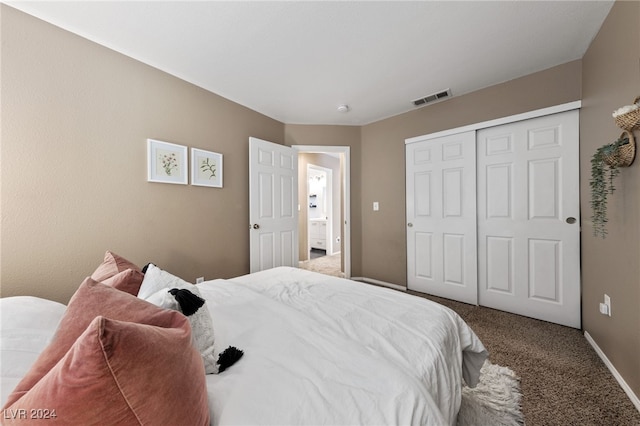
(206, 168)
(166, 162)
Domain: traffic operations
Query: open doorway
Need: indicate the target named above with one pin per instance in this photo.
(320, 213)
(324, 218)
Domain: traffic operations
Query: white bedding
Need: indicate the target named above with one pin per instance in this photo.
(324, 350)
(26, 327)
(318, 350)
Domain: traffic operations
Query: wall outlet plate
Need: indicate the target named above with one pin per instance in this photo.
(604, 309)
(199, 280)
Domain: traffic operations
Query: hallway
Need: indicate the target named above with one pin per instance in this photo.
(328, 265)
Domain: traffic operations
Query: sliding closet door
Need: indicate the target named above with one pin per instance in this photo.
(441, 217)
(528, 218)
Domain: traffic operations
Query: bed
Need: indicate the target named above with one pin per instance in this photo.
(316, 350)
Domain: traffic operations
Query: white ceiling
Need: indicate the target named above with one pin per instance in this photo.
(296, 61)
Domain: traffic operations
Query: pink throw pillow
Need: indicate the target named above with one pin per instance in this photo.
(112, 265)
(92, 299)
(129, 281)
(122, 373)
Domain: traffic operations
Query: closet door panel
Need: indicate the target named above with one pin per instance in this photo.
(423, 250)
(498, 191)
(441, 217)
(453, 259)
(527, 188)
(500, 264)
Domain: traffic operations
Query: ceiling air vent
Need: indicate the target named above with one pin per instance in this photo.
(432, 98)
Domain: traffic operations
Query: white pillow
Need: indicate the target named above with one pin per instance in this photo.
(155, 289)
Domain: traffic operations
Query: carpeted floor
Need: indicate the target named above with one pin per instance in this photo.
(563, 381)
(328, 265)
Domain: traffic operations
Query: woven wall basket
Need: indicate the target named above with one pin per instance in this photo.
(631, 120)
(625, 154)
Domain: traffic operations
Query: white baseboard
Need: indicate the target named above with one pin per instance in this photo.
(377, 282)
(625, 387)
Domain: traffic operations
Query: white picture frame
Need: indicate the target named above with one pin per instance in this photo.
(167, 162)
(206, 168)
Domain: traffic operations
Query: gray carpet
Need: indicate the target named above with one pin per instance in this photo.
(562, 379)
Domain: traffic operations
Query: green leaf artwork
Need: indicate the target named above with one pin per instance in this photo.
(208, 168)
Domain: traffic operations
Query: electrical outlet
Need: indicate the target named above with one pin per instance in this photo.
(199, 280)
(376, 206)
(607, 301)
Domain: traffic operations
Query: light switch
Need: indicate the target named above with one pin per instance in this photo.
(376, 206)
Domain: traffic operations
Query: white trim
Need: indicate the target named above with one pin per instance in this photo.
(378, 282)
(625, 387)
(499, 121)
(346, 150)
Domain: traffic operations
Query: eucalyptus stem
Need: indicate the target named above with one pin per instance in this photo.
(601, 183)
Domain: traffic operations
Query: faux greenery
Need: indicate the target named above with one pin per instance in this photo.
(602, 176)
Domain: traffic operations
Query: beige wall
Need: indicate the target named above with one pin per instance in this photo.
(75, 119)
(383, 172)
(611, 79)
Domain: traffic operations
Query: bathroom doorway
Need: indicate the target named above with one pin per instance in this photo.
(320, 215)
(323, 193)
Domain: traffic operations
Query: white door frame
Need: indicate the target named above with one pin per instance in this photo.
(346, 193)
(498, 121)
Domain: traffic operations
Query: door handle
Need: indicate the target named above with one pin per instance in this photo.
(256, 226)
(571, 220)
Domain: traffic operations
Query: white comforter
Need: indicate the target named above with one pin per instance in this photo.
(323, 350)
(318, 350)
(27, 324)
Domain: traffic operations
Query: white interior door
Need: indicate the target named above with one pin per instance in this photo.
(441, 217)
(273, 205)
(528, 218)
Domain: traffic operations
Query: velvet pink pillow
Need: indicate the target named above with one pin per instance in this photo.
(129, 281)
(112, 265)
(92, 299)
(123, 373)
